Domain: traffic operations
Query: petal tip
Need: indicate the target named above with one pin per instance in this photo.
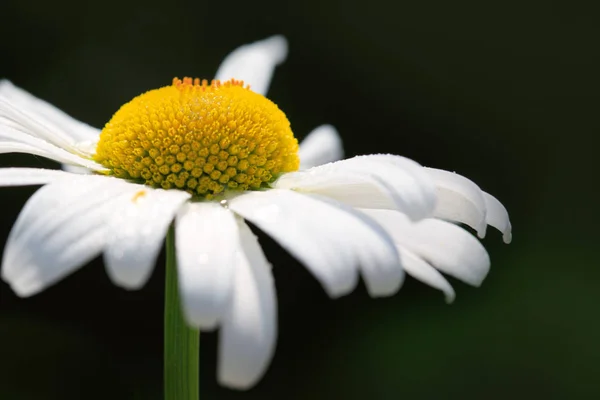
(477, 282)
(321, 146)
(278, 45)
(198, 320)
(449, 297)
(129, 283)
(388, 287)
(237, 383)
(482, 230)
(5, 84)
(24, 287)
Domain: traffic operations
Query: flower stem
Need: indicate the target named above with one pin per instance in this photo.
(181, 347)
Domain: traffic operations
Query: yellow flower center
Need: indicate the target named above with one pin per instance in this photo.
(200, 137)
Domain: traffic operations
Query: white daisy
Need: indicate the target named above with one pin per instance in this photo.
(209, 157)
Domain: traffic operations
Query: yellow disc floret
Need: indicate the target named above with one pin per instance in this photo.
(199, 137)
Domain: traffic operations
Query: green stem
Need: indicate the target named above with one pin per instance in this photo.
(182, 343)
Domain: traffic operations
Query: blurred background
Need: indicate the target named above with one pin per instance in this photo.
(504, 93)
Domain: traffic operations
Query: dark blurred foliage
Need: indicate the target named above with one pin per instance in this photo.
(506, 93)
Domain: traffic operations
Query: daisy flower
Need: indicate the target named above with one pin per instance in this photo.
(207, 157)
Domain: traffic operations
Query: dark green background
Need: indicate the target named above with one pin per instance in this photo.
(506, 93)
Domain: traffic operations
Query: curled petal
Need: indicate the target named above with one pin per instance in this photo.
(459, 200)
(331, 241)
(138, 229)
(497, 216)
(420, 269)
(206, 238)
(446, 246)
(249, 329)
(321, 146)
(376, 181)
(254, 63)
(61, 227)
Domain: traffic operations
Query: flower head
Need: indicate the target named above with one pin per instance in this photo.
(210, 156)
(199, 137)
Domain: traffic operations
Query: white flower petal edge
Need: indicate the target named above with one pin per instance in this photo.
(448, 247)
(206, 241)
(31, 176)
(26, 119)
(381, 278)
(31, 125)
(249, 329)
(497, 216)
(25, 101)
(420, 269)
(16, 141)
(76, 169)
(138, 229)
(321, 146)
(373, 181)
(62, 226)
(461, 200)
(254, 63)
(333, 242)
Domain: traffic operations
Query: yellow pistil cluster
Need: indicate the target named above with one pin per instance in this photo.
(199, 137)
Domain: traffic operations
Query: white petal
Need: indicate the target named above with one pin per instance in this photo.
(254, 63)
(31, 176)
(206, 242)
(249, 330)
(76, 130)
(26, 120)
(420, 269)
(137, 231)
(331, 241)
(497, 216)
(76, 169)
(61, 227)
(321, 146)
(15, 141)
(375, 181)
(448, 247)
(13, 147)
(357, 189)
(459, 200)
